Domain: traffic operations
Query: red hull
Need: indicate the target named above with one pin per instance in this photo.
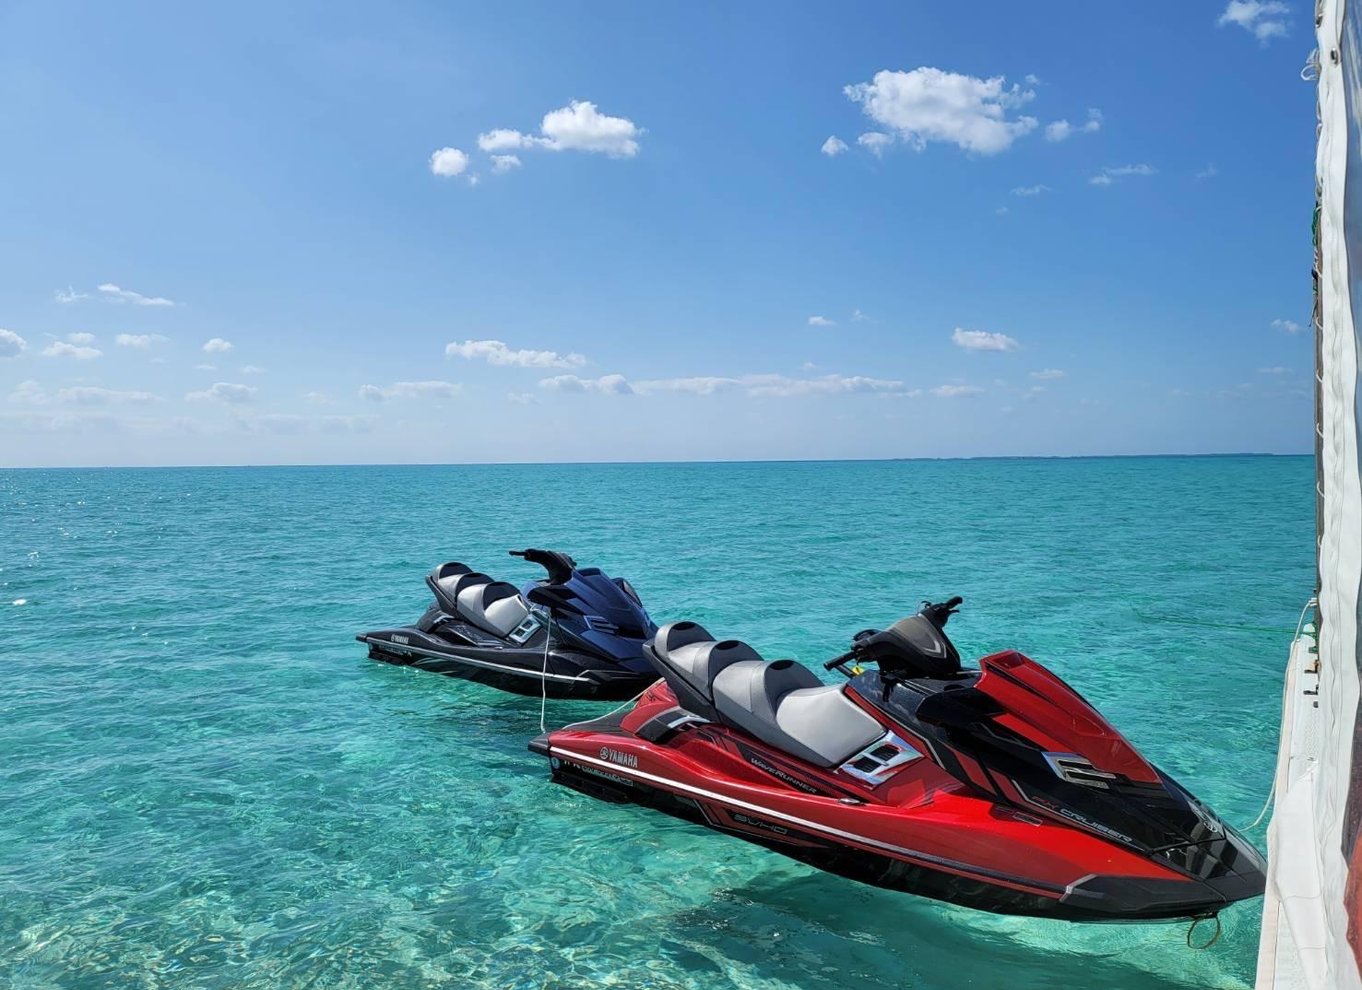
(922, 830)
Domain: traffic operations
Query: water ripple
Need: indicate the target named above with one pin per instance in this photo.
(203, 784)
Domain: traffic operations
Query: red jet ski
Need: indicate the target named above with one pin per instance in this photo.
(999, 788)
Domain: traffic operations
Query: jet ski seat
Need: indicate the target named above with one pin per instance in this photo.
(785, 705)
(493, 606)
(444, 582)
(688, 658)
(780, 702)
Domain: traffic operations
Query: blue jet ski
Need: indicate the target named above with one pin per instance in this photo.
(576, 633)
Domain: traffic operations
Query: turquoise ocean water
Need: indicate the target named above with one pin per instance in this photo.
(204, 784)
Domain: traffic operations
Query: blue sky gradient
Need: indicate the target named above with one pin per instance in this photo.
(261, 175)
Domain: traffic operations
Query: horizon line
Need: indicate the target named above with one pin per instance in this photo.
(604, 463)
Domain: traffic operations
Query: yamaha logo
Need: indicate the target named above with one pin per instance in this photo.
(623, 759)
(403, 640)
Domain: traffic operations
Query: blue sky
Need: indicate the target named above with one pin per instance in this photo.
(318, 233)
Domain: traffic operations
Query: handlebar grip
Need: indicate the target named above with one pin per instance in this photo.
(954, 601)
(838, 661)
(517, 553)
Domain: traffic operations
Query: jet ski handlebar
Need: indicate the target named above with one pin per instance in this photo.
(863, 648)
(838, 661)
(559, 565)
(941, 612)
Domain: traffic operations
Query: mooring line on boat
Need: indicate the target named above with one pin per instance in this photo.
(1215, 937)
(544, 672)
(1286, 679)
(1180, 621)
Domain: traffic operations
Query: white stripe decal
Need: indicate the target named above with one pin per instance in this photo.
(398, 648)
(813, 826)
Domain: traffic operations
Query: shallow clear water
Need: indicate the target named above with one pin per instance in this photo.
(203, 783)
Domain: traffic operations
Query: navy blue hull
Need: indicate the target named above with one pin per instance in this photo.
(567, 674)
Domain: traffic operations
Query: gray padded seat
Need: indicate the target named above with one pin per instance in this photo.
(495, 606)
(688, 657)
(699, 663)
(447, 580)
(785, 705)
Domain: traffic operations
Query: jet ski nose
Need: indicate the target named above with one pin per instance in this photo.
(1228, 869)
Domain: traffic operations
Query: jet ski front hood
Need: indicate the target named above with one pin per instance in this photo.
(1022, 736)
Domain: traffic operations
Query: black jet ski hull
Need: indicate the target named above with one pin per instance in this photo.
(569, 674)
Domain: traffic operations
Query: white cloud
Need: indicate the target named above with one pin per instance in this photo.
(410, 390)
(89, 395)
(504, 139)
(69, 295)
(139, 340)
(28, 392)
(1274, 371)
(781, 386)
(1058, 130)
(11, 344)
(64, 422)
(875, 142)
(252, 369)
(1288, 326)
(1108, 174)
(448, 162)
(224, 392)
(982, 340)
(821, 321)
(857, 316)
(1209, 172)
(522, 398)
(956, 391)
(504, 163)
(496, 352)
(113, 292)
(84, 339)
(317, 397)
(698, 385)
(929, 104)
(1048, 375)
(579, 126)
(61, 348)
(292, 423)
(1061, 130)
(773, 386)
(217, 346)
(606, 384)
(205, 367)
(1035, 190)
(833, 146)
(1002, 211)
(1264, 19)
